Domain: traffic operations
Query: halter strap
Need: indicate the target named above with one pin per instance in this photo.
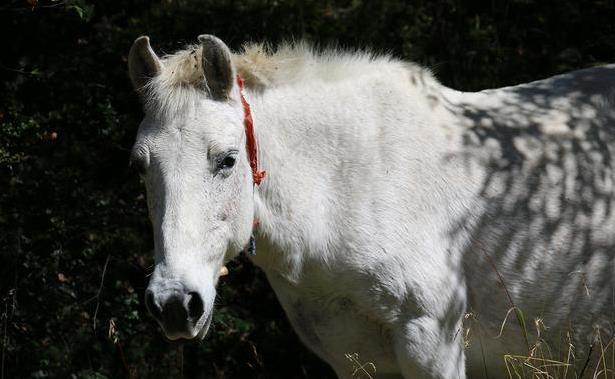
(248, 123)
(257, 175)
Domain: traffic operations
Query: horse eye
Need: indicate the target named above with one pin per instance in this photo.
(139, 166)
(227, 162)
(139, 159)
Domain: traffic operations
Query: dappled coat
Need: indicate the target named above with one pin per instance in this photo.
(415, 226)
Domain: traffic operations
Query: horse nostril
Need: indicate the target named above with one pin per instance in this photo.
(150, 303)
(195, 306)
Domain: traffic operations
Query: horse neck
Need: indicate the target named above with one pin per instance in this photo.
(313, 142)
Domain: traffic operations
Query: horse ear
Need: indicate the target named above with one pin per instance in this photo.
(143, 63)
(218, 69)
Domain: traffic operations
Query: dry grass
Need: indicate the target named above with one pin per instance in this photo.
(542, 362)
(545, 361)
(361, 370)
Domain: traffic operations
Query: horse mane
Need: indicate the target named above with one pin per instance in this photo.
(263, 67)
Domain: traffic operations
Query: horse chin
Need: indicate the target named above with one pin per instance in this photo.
(198, 337)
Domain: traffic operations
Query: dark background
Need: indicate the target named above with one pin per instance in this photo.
(74, 236)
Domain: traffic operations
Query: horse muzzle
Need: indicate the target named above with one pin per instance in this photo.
(180, 311)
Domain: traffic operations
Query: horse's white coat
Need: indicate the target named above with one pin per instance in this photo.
(388, 201)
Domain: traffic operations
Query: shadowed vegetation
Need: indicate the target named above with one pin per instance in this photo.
(75, 243)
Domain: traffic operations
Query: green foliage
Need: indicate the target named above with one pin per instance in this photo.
(69, 208)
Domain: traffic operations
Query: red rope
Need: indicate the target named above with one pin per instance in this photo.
(257, 176)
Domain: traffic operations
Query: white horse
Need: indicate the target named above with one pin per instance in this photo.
(393, 208)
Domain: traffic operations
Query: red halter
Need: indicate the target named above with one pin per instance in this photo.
(257, 176)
